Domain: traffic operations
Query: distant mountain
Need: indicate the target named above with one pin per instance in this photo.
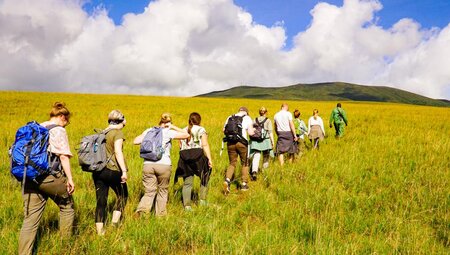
(330, 91)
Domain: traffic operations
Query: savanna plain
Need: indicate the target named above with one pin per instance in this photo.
(382, 189)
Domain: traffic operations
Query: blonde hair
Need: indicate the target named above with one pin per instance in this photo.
(115, 117)
(165, 118)
(262, 110)
(58, 109)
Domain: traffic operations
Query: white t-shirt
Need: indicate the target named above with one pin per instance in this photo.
(282, 119)
(246, 123)
(168, 135)
(196, 138)
(313, 122)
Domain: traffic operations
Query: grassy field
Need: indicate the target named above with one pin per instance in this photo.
(383, 189)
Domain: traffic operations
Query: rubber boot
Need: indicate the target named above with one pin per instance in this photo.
(100, 229)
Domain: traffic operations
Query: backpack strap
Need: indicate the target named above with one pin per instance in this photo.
(264, 121)
(106, 131)
(50, 127)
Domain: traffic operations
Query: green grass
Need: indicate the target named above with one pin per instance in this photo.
(383, 189)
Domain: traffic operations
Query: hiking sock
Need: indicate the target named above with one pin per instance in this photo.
(100, 230)
(116, 217)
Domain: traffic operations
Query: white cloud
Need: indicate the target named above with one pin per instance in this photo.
(187, 47)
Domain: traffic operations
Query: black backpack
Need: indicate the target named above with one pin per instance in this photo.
(260, 132)
(233, 130)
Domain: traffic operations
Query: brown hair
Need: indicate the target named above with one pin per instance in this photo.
(165, 118)
(296, 113)
(314, 113)
(58, 109)
(194, 119)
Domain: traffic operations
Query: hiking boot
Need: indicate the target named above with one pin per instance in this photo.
(244, 187)
(226, 187)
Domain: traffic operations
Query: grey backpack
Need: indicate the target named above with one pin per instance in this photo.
(151, 147)
(92, 155)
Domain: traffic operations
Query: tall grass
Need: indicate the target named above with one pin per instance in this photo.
(382, 189)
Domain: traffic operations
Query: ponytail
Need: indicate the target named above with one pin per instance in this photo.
(194, 119)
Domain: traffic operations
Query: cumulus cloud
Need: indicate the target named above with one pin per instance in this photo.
(188, 47)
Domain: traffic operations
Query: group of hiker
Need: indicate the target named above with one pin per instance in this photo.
(52, 178)
(249, 139)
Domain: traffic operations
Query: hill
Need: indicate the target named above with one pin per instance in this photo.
(330, 91)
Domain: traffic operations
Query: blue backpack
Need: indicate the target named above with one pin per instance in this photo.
(151, 147)
(30, 157)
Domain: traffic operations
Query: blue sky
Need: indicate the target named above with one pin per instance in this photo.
(295, 13)
(190, 47)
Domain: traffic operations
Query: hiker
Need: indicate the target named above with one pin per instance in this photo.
(114, 175)
(58, 186)
(316, 131)
(264, 143)
(195, 158)
(300, 131)
(284, 126)
(157, 170)
(236, 128)
(338, 118)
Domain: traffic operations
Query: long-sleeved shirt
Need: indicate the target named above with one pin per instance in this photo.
(338, 116)
(313, 122)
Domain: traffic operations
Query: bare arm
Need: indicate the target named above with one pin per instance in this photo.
(275, 127)
(272, 140)
(65, 163)
(138, 139)
(120, 159)
(180, 134)
(206, 149)
(292, 126)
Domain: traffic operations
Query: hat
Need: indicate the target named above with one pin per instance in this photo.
(243, 109)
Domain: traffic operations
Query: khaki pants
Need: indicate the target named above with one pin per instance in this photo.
(156, 179)
(235, 151)
(35, 198)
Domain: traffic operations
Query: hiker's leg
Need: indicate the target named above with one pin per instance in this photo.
(150, 187)
(281, 158)
(291, 157)
(255, 161)
(187, 190)
(64, 201)
(336, 128)
(204, 181)
(34, 205)
(341, 129)
(101, 192)
(121, 190)
(243, 153)
(266, 158)
(233, 157)
(163, 176)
